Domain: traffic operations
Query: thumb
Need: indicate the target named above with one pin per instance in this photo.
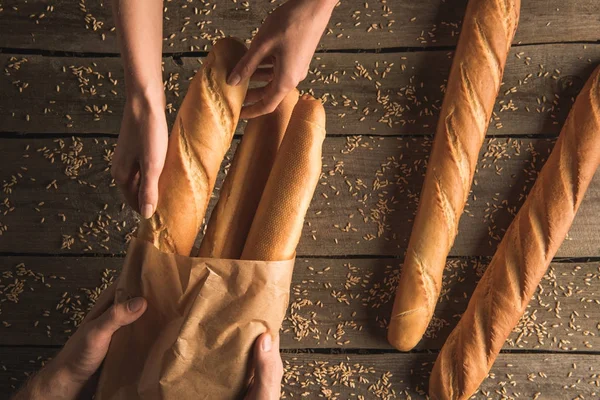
(121, 314)
(268, 369)
(148, 193)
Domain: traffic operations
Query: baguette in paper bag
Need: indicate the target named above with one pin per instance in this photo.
(201, 136)
(277, 225)
(195, 338)
(245, 183)
(204, 314)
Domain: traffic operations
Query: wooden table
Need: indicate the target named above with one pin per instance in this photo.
(381, 69)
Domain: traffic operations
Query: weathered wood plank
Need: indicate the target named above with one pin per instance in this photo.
(407, 376)
(71, 27)
(334, 303)
(386, 376)
(364, 203)
(364, 93)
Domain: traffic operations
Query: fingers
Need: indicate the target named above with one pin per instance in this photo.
(148, 193)
(119, 315)
(268, 61)
(102, 304)
(152, 161)
(254, 95)
(127, 179)
(250, 61)
(268, 369)
(262, 75)
(140, 156)
(130, 190)
(122, 170)
(267, 99)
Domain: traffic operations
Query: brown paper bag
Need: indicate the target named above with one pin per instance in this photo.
(195, 339)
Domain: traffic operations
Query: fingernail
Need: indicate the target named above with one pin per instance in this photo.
(135, 304)
(147, 211)
(234, 79)
(267, 343)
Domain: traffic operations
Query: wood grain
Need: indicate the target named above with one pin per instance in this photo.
(364, 93)
(363, 205)
(335, 303)
(63, 226)
(364, 25)
(378, 376)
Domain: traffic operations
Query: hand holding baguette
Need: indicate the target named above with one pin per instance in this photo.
(202, 133)
(476, 74)
(204, 314)
(524, 253)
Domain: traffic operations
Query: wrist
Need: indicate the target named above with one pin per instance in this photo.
(332, 3)
(147, 95)
(318, 5)
(322, 9)
(327, 5)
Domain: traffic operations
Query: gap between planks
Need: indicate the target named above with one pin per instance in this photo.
(363, 93)
(341, 303)
(319, 51)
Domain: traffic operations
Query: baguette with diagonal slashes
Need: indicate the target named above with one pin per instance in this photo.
(202, 133)
(475, 78)
(524, 253)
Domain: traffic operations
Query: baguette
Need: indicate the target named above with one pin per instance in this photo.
(475, 78)
(277, 225)
(524, 253)
(240, 194)
(199, 139)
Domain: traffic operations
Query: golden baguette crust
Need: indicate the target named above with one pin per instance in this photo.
(487, 32)
(200, 137)
(240, 194)
(279, 219)
(524, 253)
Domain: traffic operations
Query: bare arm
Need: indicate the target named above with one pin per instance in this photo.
(68, 373)
(48, 384)
(64, 377)
(142, 146)
(139, 27)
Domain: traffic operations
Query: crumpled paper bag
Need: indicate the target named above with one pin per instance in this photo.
(195, 339)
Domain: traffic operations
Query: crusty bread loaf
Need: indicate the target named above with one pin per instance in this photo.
(240, 194)
(475, 78)
(524, 253)
(202, 133)
(277, 225)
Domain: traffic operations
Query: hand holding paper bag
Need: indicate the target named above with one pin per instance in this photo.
(69, 375)
(204, 314)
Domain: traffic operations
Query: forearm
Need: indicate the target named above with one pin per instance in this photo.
(320, 7)
(329, 4)
(49, 383)
(139, 28)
